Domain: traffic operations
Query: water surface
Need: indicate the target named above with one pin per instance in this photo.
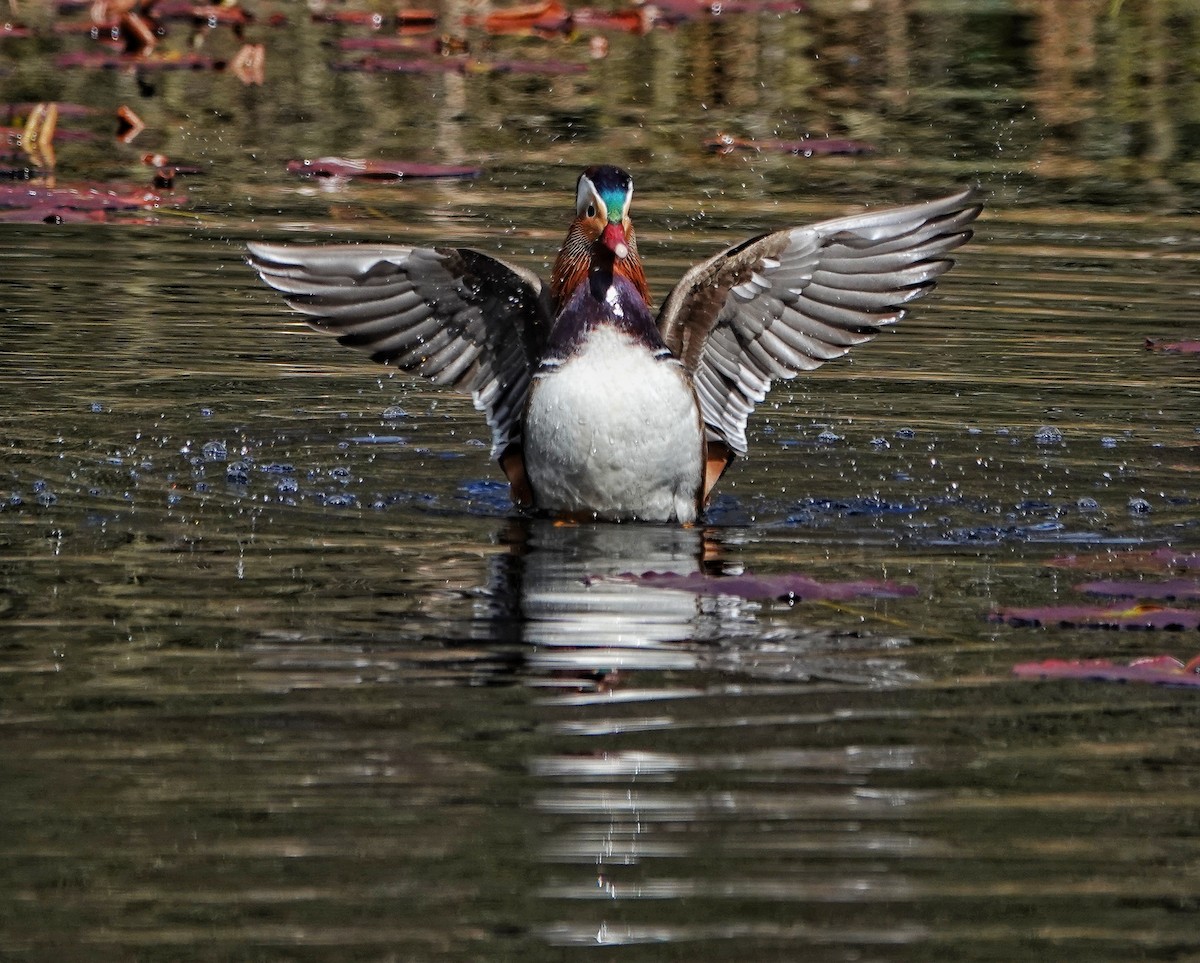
(285, 677)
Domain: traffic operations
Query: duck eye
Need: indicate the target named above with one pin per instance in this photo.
(591, 211)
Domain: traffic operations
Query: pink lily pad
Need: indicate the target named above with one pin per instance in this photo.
(1158, 560)
(793, 587)
(1157, 670)
(1144, 617)
(635, 19)
(1173, 347)
(87, 198)
(376, 170)
(677, 11)
(49, 214)
(1178, 588)
(206, 13)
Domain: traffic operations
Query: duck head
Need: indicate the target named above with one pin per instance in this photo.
(600, 242)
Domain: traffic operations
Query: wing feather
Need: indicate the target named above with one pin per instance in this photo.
(787, 302)
(456, 316)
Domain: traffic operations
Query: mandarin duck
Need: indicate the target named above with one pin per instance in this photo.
(600, 409)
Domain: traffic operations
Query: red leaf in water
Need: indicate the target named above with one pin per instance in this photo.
(790, 586)
(1173, 347)
(1091, 617)
(1158, 670)
(376, 170)
(547, 16)
(1178, 588)
(636, 19)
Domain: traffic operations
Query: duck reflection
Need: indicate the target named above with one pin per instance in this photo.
(559, 588)
(569, 605)
(680, 762)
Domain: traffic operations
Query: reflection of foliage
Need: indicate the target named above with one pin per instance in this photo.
(1094, 89)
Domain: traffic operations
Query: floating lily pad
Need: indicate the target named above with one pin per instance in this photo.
(403, 19)
(1157, 670)
(60, 205)
(1173, 347)
(546, 17)
(1179, 588)
(793, 587)
(676, 11)
(86, 198)
(1144, 617)
(1156, 560)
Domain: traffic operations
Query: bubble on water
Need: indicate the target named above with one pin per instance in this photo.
(214, 451)
(1139, 506)
(1108, 441)
(1087, 504)
(1048, 435)
(394, 413)
(905, 433)
(828, 437)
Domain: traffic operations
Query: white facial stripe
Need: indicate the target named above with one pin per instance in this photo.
(628, 199)
(587, 194)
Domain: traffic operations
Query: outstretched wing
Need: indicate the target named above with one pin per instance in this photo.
(788, 302)
(453, 315)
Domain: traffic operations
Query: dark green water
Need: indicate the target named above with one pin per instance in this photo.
(282, 676)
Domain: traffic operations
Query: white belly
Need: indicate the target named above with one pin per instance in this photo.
(616, 433)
